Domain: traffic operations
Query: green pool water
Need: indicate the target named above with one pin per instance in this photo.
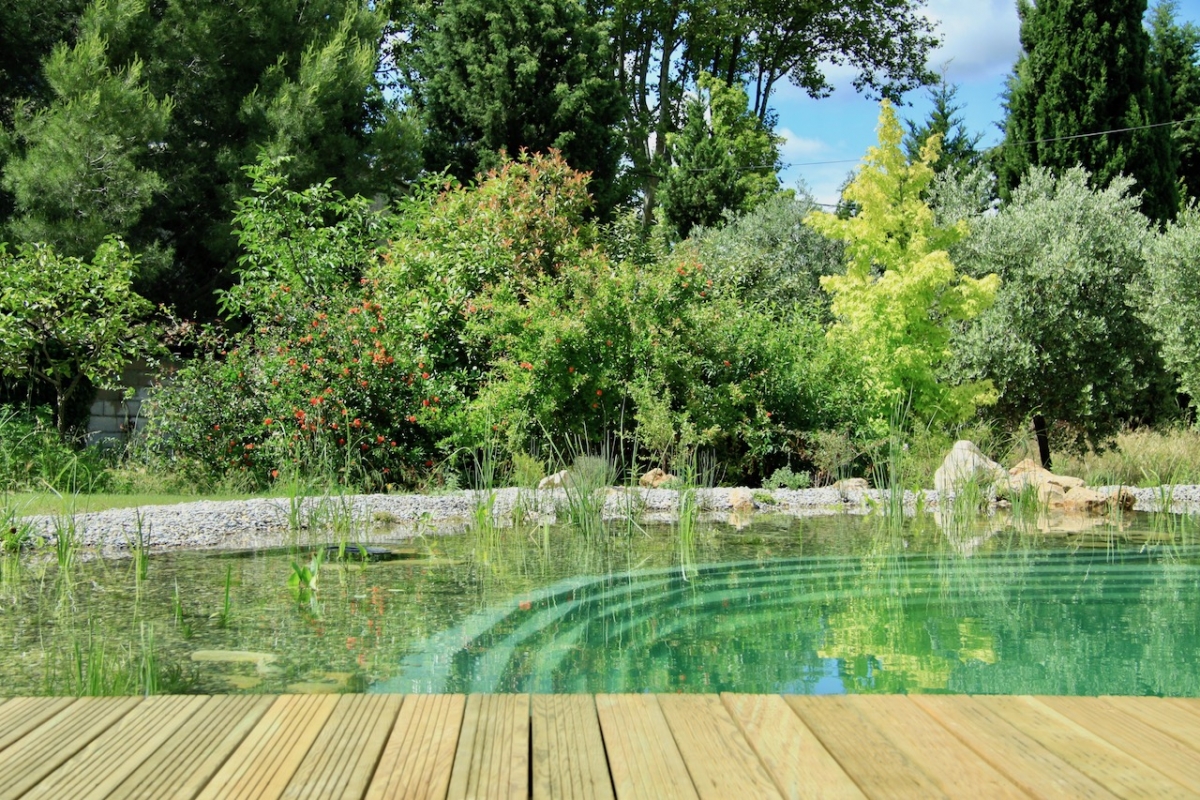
(822, 605)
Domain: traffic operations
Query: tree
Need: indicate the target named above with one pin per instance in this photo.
(29, 30)
(510, 76)
(1175, 54)
(63, 319)
(1086, 70)
(83, 166)
(901, 297)
(1062, 341)
(724, 160)
(1170, 298)
(659, 50)
(298, 78)
(960, 148)
(769, 256)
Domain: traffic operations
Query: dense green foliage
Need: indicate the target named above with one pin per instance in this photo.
(1175, 55)
(64, 320)
(1086, 68)
(1170, 297)
(1063, 339)
(723, 161)
(900, 295)
(516, 75)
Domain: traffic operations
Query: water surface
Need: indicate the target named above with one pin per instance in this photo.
(820, 605)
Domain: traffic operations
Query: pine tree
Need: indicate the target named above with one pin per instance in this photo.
(1086, 69)
(960, 148)
(517, 75)
(725, 160)
(1175, 51)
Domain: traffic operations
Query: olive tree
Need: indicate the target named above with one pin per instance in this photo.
(1062, 342)
(1170, 297)
(63, 319)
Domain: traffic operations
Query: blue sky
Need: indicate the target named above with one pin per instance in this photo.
(980, 45)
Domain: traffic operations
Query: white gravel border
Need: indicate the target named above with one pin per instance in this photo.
(264, 522)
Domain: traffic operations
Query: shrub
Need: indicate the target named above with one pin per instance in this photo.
(784, 478)
(1169, 297)
(309, 387)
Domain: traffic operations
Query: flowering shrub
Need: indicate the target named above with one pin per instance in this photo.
(532, 335)
(308, 387)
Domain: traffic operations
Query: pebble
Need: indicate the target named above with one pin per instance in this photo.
(268, 522)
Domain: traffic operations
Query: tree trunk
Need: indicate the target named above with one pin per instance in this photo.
(1042, 432)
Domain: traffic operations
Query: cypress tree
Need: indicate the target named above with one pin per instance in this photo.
(1085, 69)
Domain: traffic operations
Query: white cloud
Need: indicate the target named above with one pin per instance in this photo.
(981, 39)
(798, 148)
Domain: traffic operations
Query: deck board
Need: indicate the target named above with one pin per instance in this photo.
(435, 747)
(112, 756)
(419, 754)
(492, 759)
(21, 715)
(718, 757)
(568, 749)
(1019, 756)
(791, 753)
(642, 755)
(187, 760)
(1108, 765)
(1140, 740)
(343, 757)
(879, 767)
(934, 749)
(264, 763)
(1166, 716)
(27, 762)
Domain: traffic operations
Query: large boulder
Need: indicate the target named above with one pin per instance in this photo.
(1030, 473)
(966, 463)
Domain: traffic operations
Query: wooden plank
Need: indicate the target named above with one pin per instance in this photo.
(189, 757)
(568, 749)
(343, 758)
(1140, 740)
(264, 763)
(492, 759)
(1113, 768)
(1170, 718)
(874, 762)
(419, 755)
(718, 757)
(954, 766)
(796, 759)
(1019, 756)
(1189, 704)
(21, 715)
(642, 755)
(27, 762)
(100, 767)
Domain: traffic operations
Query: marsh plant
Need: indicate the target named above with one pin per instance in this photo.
(586, 487)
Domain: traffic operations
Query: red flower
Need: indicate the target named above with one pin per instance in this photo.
(268, 421)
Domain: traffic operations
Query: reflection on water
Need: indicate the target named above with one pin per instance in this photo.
(836, 604)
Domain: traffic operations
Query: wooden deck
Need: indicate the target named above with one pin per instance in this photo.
(725, 747)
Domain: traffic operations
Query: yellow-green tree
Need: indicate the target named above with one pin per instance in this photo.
(900, 295)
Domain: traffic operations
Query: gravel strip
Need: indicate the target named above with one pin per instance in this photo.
(274, 522)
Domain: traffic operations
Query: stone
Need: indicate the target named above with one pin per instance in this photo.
(556, 481)
(1082, 500)
(1123, 499)
(741, 500)
(655, 479)
(1030, 473)
(233, 656)
(966, 463)
(852, 485)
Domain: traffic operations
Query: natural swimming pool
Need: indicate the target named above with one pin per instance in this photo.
(814, 605)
